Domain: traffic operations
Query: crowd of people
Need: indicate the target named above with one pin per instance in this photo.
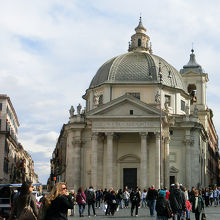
(176, 203)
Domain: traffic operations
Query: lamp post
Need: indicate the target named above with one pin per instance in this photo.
(160, 103)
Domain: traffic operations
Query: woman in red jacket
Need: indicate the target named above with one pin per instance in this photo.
(81, 201)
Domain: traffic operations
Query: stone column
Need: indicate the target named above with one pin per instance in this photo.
(109, 160)
(167, 162)
(157, 161)
(77, 163)
(94, 162)
(143, 165)
(188, 161)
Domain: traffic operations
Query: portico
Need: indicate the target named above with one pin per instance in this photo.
(128, 142)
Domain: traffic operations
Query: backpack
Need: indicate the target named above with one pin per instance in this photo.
(90, 197)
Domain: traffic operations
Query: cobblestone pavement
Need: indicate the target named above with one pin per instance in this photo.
(212, 213)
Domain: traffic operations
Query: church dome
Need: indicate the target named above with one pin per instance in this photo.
(138, 66)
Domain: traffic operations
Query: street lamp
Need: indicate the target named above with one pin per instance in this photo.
(160, 102)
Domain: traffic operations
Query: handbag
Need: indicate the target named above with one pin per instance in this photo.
(83, 200)
(27, 212)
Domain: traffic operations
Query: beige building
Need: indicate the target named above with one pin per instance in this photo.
(144, 123)
(16, 165)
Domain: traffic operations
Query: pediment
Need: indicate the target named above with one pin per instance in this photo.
(129, 158)
(173, 170)
(124, 106)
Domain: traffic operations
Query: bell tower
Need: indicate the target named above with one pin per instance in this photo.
(139, 40)
(196, 80)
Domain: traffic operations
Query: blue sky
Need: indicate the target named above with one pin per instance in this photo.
(50, 50)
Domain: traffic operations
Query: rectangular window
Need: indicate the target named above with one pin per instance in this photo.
(6, 146)
(172, 157)
(183, 105)
(0, 106)
(100, 99)
(168, 100)
(5, 165)
(135, 94)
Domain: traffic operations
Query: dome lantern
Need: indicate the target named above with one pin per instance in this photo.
(140, 41)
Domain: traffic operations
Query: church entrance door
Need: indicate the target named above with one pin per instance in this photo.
(130, 177)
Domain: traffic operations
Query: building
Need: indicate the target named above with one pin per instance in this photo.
(144, 123)
(16, 165)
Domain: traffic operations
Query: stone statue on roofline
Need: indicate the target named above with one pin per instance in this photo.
(71, 111)
(79, 107)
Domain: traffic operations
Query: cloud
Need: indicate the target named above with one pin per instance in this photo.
(50, 51)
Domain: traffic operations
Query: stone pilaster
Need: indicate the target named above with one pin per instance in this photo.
(188, 142)
(94, 162)
(167, 162)
(157, 161)
(109, 160)
(143, 165)
(77, 163)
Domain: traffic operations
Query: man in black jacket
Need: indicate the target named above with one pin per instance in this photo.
(177, 202)
(135, 201)
(152, 195)
(90, 197)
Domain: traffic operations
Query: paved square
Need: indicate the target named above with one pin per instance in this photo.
(212, 213)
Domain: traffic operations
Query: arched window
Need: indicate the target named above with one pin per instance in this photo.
(100, 99)
(139, 42)
(192, 92)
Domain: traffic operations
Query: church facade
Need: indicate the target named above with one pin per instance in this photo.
(144, 123)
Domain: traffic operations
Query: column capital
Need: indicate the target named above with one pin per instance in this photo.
(167, 140)
(77, 142)
(188, 141)
(95, 135)
(109, 134)
(143, 134)
(157, 134)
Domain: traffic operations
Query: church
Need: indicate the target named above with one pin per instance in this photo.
(144, 123)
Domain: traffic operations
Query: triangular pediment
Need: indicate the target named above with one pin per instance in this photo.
(173, 170)
(125, 106)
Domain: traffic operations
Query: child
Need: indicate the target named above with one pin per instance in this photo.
(188, 209)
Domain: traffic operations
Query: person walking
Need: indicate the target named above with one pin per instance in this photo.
(135, 201)
(143, 198)
(197, 205)
(58, 202)
(24, 199)
(81, 201)
(119, 197)
(90, 197)
(73, 197)
(163, 207)
(99, 195)
(206, 196)
(211, 197)
(216, 196)
(113, 202)
(177, 202)
(152, 195)
(108, 201)
(126, 196)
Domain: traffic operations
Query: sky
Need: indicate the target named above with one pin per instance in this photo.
(51, 49)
